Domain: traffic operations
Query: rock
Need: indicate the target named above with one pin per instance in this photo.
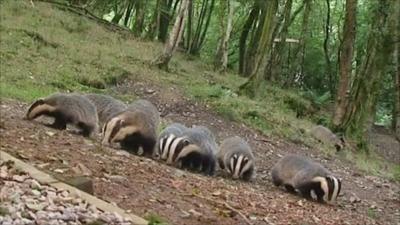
(149, 91)
(253, 218)
(19, 178)
(354, 199)
(50, 134)
(35, 206)
(216, 193)
(3, 172)
(82, 183)
(85, 171)
(185, 214)
(59, 171)
(34, 184)
(117, 178)
(266, 220)
(36, 192)
(195, 213)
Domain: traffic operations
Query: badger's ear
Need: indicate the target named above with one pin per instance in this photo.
(185, 142)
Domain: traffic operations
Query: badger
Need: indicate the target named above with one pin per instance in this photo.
(236, 157)
(66, 109)
(195, 151)
(107, 107)
(169, 140)
(326, 136)
(134, 128)
(310, 179)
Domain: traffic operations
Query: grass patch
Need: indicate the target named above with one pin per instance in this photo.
(155, 220)
(4, 211)
(372, 164)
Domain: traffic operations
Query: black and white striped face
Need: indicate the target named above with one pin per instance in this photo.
(116, 130)
(328, 190)
(170, 147)
(238, 165)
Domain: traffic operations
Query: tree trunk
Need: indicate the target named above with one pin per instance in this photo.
(243, 38)
(395, 22)
(165, 6)
(197, 38)
(264, 44)
(275, 64)
(128, 13)
(140, 8)
(326, 48)
(296, 68)
(345, 63)
(221, 57)
(154, 24)
(174, 37)
(368, 81)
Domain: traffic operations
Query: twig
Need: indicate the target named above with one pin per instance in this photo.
(33, 5)
(226, 206)
(265, 140)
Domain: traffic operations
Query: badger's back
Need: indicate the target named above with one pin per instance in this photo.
(106, 106)
(147, 108)
(176, 129)
(202, 137)
(66, 108)
(234, 145)
(199, 152)
(295, 169)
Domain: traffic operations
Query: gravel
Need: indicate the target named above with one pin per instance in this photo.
(25, 201)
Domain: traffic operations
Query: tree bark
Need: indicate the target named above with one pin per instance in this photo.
(395, 22)
(345, 63)
(326, 48)
(368, 81)
(174, 37)
(164, 18)
(197, 38)
(275, 64)
(154, 24)
(221, 57)
(264, 44)
(243, 38)
(296, 67)
(128, 13)
(140, 8)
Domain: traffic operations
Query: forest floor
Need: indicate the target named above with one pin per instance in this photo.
(153, 190)
(44, 49)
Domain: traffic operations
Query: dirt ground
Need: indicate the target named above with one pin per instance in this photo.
(146, 187)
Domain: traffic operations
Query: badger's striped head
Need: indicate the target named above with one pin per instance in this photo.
(39, 107)
(170, 147)
(240, 165)
(327, 189)
(130, 131)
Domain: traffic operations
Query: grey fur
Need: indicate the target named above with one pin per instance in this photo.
(66, 109)
(294, 172)
(202, 149)
(134, 128)
(175, 129)
(235, 147)
(107, 106)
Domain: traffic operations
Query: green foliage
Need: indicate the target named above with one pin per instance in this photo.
(155, 220)
(4, 211)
